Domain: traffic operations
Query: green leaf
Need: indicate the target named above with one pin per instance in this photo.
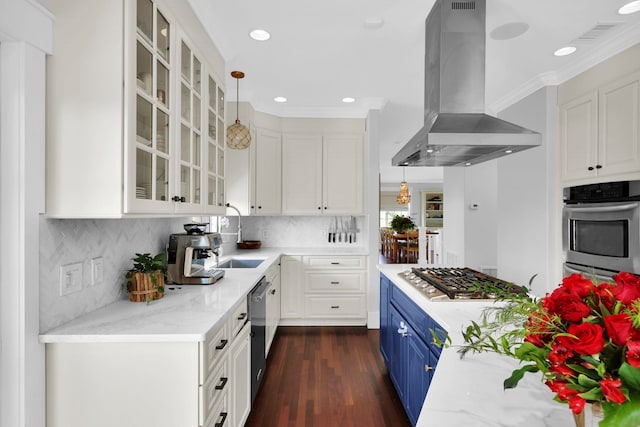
(625, 415)
(587, 382)
(630, 376)
(517, 375)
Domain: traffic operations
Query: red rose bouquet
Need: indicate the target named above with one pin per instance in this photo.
(584, 338)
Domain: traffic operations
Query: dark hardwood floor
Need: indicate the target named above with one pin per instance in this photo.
(326, 376)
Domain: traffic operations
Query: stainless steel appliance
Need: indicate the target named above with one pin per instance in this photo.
(257, 300)
(187, 253)
(457, 131)
(601, 228)
(458, 284)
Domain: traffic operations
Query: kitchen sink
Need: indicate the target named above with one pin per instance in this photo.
(240, 263)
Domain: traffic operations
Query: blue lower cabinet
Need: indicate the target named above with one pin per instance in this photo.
(410, 358)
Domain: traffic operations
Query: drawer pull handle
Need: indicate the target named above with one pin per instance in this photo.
(402, 330)
(224, 418)
(223, 382)
(273, 291)
(223, 344)
(428, 368)
(335, 283)
(335, 263)
(242, 316)
(335, 306)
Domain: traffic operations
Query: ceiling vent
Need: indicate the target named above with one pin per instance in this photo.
(600, 30)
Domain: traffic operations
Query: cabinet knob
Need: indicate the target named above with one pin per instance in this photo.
(259, 207)
(319, 208)
(402, 330)
(590, 168)
(252, 207)
(428, 368)
(325, 207)
(598, 166)
(273, 291)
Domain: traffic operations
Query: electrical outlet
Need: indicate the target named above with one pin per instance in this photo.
(70, 278)
(97, 271)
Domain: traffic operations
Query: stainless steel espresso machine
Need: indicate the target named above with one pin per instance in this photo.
(187, 255)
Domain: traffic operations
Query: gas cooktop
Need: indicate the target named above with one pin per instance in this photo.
(442, 284)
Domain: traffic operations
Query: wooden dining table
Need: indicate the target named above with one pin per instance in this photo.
(400, 241)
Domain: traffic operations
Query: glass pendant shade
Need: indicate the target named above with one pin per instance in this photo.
(403, 196)
(238, 136)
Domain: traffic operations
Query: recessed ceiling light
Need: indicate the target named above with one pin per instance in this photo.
(631, 7)
(429, 150)
(564, 51)
(348, 100)
(508, 151)
(468, 164)
(260, 35)
(373, 22)
(280, 99)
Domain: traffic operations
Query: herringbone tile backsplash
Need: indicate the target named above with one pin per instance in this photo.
(66, 241)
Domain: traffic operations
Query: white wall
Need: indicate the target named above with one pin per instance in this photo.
(529, 201)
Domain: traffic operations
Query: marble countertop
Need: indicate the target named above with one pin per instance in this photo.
(469, 391)
(185, 313)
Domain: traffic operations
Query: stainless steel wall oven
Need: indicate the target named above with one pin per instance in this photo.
(601, 228)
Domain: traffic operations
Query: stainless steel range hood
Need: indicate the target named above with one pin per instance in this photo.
(457, 131)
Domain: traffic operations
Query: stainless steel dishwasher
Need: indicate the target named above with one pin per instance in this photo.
(257, 299)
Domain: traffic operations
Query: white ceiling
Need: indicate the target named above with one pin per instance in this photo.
(322, 51)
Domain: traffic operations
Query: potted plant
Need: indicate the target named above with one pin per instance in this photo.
(145, 281)
(401, 224)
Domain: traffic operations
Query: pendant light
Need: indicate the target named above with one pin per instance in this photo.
(238, 136)
(403, 196)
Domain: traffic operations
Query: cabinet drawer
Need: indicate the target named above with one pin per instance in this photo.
(334, 307)
(334, 281)
(334, 262)
(212, 351)
(219, 416)
(238, 318)
(213, 391)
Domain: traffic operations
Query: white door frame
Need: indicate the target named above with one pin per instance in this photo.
(25, 39)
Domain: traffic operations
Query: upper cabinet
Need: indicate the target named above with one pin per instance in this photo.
(322, 174)
(600, 122)
(135, 112)
(267, 195)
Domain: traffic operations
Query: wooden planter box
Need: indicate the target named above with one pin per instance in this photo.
(141, 287)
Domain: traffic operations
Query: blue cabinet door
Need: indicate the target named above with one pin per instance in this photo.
(385, 331)
(419, 372)
(397, 355)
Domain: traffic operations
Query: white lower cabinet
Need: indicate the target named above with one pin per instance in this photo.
(152, 384)
(240, 372)
(324, 290)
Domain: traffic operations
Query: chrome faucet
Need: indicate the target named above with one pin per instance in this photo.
(239, 221)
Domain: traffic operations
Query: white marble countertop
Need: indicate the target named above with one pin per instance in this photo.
(469, 392)
(186, 313)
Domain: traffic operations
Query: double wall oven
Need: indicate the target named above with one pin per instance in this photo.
(601, 229)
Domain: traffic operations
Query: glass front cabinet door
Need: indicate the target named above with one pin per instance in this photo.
(169, 167)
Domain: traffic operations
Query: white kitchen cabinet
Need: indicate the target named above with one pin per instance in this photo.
(292, 288)
(332, 290)
(159, 384)
(240, 376)
(322, 174)
(600, 133)
(266, 197)
(273, 306)
(125, 108)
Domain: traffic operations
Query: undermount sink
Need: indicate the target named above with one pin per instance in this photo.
(240, 263)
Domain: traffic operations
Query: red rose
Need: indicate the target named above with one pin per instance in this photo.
(603, 294)
(611, 390)
(562, 370)
(588, 338)
(628, 289)
(618, 327)
(633, 353)
(578, 285)
(566, 304)
(576, 404)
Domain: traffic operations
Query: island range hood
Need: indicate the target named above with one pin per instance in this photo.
(457, 131)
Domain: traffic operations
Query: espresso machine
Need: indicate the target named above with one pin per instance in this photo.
(188, 253)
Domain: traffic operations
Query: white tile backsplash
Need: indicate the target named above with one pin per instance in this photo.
(65, 241)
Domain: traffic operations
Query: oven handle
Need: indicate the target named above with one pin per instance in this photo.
(597, 276)
(617, 208)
